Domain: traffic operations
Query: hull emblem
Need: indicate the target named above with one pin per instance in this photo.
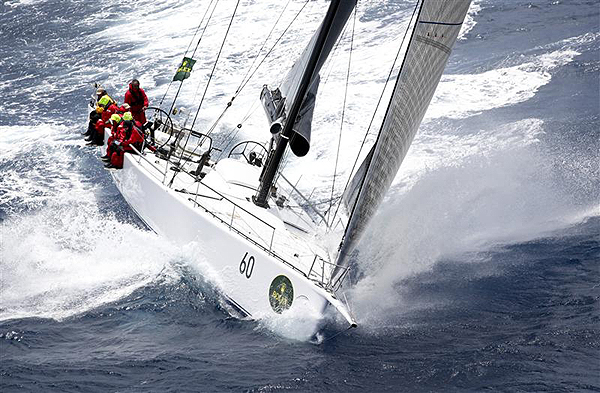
(281, 294)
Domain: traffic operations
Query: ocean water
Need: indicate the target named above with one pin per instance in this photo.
(480, 273)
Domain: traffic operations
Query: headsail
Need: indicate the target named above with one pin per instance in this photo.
(436, 28)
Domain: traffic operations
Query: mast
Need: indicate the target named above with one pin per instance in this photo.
(330, 29)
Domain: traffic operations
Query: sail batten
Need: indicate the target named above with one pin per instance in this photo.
(434, 33)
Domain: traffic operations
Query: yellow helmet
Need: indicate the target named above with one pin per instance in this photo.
(127, 116)
(116, 118)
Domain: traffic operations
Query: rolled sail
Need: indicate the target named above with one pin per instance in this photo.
(300, 140)
(436, 28)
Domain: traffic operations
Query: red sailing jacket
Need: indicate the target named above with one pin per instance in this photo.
(128, 137)
(137, 99)
(136, 137)
(108, 112)
(100, 127)
(114, 131)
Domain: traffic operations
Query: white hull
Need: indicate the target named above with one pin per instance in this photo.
(245, 259)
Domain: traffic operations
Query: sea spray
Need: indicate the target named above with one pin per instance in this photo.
(504, 192)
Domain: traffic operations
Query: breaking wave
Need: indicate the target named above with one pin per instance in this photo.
(503, 86)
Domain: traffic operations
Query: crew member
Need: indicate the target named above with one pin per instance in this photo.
(130, 135)
(106, 108)
(116, 122)
(110, 108)
(100, 93)
(124, 108)
(138, 101)
(94, 115)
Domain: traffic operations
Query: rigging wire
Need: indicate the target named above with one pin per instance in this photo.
(328, 70)
(200, 82)
(262, 47)
(215, 64)
(376, 108)
(233, 133)
(275, 44)
(284, 159)
(188, 48)
(196, 48)
(245, 82)
(333, 57)
(337, 156)
(207, 22)
(206, 88)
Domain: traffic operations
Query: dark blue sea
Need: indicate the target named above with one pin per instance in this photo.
(480, 273)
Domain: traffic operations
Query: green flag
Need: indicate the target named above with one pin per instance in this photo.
(184, 70)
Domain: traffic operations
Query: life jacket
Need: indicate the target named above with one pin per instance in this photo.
(98, 97)
(100, 108)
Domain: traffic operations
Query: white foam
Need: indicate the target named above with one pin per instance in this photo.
(16, 3)
(486, 190)
(66, 259)
(432, 150)
(299, 323)
(470, 21)
(62, 256)
(36, 163)
(495, 88)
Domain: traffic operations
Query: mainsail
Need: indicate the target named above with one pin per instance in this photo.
(436, 28)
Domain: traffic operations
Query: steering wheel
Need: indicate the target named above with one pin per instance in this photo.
(246, 148)
(160, 121)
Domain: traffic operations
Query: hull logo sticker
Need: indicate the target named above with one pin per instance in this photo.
(281, 294)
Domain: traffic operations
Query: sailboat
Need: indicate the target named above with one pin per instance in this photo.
(257, 232)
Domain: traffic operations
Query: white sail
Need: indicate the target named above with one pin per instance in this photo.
(436, 28)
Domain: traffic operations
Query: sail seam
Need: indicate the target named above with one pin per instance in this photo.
(435, 44)
(440, 23)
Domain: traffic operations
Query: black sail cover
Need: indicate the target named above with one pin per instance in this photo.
(435, 31)
(300, 140)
